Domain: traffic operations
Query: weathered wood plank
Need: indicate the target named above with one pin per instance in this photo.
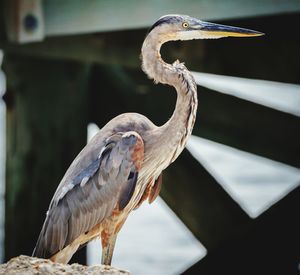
(46, 128)
(24, 20)
(75, 16)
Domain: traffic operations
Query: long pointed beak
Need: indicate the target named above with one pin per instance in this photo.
(218, 30)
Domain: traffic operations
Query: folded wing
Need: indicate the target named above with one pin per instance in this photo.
(87, 199)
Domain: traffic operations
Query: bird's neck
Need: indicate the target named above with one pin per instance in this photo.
(179, 127)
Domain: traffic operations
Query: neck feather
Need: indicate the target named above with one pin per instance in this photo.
(174, 133)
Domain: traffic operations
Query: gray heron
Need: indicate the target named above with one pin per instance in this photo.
(122, 165)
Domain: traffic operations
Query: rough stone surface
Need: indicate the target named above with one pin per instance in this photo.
(34, 266)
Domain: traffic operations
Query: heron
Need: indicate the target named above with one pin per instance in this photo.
(122, 165)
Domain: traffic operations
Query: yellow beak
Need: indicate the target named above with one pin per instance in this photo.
(219, 30)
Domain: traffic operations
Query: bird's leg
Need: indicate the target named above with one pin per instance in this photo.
(108, 245)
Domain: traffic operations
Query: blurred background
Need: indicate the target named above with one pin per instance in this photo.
(230, 202)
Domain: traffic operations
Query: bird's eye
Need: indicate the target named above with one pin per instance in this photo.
(185, 24)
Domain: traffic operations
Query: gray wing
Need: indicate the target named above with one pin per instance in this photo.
(87, 199)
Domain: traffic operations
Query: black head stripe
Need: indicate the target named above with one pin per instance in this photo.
(164, 20)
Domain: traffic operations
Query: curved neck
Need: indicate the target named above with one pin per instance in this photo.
(174, 133)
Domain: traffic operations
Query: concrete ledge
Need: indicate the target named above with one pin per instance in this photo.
(34, 266)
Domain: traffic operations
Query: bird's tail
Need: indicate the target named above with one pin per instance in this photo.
(40, 250)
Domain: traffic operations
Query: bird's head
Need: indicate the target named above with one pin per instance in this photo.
(184, 27)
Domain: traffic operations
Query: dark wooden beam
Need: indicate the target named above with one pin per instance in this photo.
(201, 203)
(248, 126)
(111, 48)
(269, 245)
(46, 128)
(75, 16)
(52, 17)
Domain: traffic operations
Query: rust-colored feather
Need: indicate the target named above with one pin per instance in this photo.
(155, 189)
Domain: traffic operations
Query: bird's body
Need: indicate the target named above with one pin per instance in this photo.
(122, 165)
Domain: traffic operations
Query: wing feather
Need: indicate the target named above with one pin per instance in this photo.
(91, 195)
